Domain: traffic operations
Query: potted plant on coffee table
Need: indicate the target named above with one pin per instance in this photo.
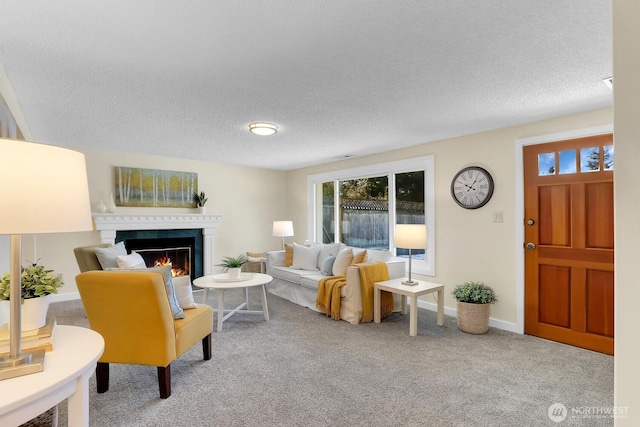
(232, 265)
(474, 306)
(37, 283)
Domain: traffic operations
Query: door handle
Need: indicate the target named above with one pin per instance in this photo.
(530, 246)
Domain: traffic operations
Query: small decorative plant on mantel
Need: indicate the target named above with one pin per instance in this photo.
(37, 283)
(200, 200)
(474, 309)
(232, 265)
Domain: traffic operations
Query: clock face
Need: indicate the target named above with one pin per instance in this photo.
(472, 187)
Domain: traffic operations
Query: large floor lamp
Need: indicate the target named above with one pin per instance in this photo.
(44, 190)
(282, 229)
(411, 236)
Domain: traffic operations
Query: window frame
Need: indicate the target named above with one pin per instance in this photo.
(422, 163)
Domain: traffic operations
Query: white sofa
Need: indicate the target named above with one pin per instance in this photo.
(301, 285)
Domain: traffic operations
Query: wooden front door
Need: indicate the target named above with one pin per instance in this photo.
(569, 242)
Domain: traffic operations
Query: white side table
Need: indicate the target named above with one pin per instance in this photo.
(221, 283)
(67, 369)
(414, 291)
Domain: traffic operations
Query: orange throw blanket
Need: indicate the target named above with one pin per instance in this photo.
(370, 273)
(328, 299)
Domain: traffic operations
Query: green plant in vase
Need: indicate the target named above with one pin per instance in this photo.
(199, 199)
(36, 284)
(36, 281)
(231, 262)
(232, 265)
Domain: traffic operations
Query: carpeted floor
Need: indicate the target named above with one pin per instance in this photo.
(304, 369)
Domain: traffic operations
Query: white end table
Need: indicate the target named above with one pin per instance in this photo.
(413, 291)
(67, 369)
(221, 282)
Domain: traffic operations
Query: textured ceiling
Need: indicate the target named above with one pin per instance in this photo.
(338, 77)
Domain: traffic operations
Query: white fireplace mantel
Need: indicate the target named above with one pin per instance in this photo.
(107, 224)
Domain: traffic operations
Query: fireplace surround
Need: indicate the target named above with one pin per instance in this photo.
(145, 225)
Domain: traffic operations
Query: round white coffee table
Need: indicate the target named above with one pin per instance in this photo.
(222, 282)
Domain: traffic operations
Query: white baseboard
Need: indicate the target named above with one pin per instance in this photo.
(496, 323)
(70, 296)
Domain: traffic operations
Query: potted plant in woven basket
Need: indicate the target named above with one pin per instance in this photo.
(474, 306)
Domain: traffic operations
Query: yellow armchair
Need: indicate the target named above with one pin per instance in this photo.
(131, 311)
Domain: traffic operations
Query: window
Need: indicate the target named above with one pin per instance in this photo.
(591, 159)
(360, 207)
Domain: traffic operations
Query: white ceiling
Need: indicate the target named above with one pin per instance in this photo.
(338, 77)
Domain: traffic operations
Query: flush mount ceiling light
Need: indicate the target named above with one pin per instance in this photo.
(263, 128)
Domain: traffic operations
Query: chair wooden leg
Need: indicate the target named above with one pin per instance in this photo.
(102, 377)
(206, 347)
(164, 381)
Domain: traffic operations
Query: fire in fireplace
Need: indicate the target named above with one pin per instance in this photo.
(181, 248)
(179, 258)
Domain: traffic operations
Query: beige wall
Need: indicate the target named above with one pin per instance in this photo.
(469, 246)
(249, 200)
(626, 69)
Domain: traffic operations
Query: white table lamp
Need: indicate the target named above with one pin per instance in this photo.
(282, 229)
(411, 236)
(44, 190)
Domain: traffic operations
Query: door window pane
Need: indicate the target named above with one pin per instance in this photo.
(608, 157)
(567, 160)
(410, 206)
(546, 164)
(590, 159)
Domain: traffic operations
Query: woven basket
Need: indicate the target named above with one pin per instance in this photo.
(473, 318)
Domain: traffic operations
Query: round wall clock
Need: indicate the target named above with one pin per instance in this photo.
(472, 187)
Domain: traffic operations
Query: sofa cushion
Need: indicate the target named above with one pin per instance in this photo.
(171, 290)
(133, 260)
(288, 255)
(359, 256)
(289, 274)
(184, 293)
(327, 265)
(343, 260)
(305, 257)
(327, 250)
(107, 256)
(311, 280)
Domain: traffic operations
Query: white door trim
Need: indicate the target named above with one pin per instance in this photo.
(519, 201)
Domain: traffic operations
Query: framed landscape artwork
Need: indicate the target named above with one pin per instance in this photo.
(154, 188)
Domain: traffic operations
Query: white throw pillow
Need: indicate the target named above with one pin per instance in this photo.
(343, 260)
(305, 258)
(133, 260)
(107, 256)
(184, 293)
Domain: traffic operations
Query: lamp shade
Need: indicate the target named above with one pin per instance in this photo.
(44, 189)
(282, 228)
(411, 236)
